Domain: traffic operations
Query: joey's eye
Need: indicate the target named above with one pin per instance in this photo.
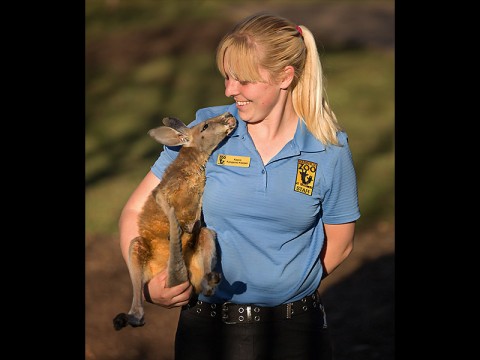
(205, 127)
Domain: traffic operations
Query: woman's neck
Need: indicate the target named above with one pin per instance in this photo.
(274, 132)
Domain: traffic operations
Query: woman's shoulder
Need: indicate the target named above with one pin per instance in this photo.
(342, 138)
(341, 147)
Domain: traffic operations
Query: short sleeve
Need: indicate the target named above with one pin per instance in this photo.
(340, 204)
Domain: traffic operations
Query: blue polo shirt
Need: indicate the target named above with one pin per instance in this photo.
(269, 218)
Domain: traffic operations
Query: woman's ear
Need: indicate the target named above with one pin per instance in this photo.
(287, 77)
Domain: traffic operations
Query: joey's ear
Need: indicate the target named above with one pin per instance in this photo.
(174, 123)
(287, 77)
(170, 137)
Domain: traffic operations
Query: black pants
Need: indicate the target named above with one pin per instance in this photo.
(303, 337)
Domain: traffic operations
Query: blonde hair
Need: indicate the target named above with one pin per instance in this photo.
(272, 43)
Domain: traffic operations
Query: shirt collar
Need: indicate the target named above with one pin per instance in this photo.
(303, 139)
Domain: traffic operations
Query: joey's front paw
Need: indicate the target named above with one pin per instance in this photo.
(210, 282)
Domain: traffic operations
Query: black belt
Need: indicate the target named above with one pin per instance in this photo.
(231, 313)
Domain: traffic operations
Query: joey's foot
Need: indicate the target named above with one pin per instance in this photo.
(122, 320)
(135, 322)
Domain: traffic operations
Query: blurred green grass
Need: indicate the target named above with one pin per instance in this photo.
(124, 101)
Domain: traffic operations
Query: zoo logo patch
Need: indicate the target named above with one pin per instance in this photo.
(306, 171)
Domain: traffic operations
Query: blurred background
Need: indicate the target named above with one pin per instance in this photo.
(147, 59)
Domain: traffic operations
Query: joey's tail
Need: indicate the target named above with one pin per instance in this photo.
(177, 270)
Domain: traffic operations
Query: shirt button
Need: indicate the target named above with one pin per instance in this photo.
(263, 171)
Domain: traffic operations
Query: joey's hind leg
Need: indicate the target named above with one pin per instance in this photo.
(206, 243)
(139, 254)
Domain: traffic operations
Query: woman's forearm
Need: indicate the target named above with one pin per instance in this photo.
(338, 245)
(127, 223)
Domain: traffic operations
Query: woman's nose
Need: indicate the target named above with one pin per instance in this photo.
(231, 87)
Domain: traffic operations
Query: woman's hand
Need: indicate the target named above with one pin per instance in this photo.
(166, 297)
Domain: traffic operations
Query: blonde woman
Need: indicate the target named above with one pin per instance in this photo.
(281, 194)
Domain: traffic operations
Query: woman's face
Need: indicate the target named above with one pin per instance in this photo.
(255, 101)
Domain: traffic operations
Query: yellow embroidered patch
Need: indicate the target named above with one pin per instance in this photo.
(305, 179)
(232, 160)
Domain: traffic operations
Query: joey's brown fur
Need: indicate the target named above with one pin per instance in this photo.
(170, 232)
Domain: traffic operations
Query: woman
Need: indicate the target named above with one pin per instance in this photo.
(283, 204)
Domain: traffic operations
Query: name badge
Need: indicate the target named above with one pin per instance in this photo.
(233, 160)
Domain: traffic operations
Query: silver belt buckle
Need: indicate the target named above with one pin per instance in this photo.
(225, 313)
